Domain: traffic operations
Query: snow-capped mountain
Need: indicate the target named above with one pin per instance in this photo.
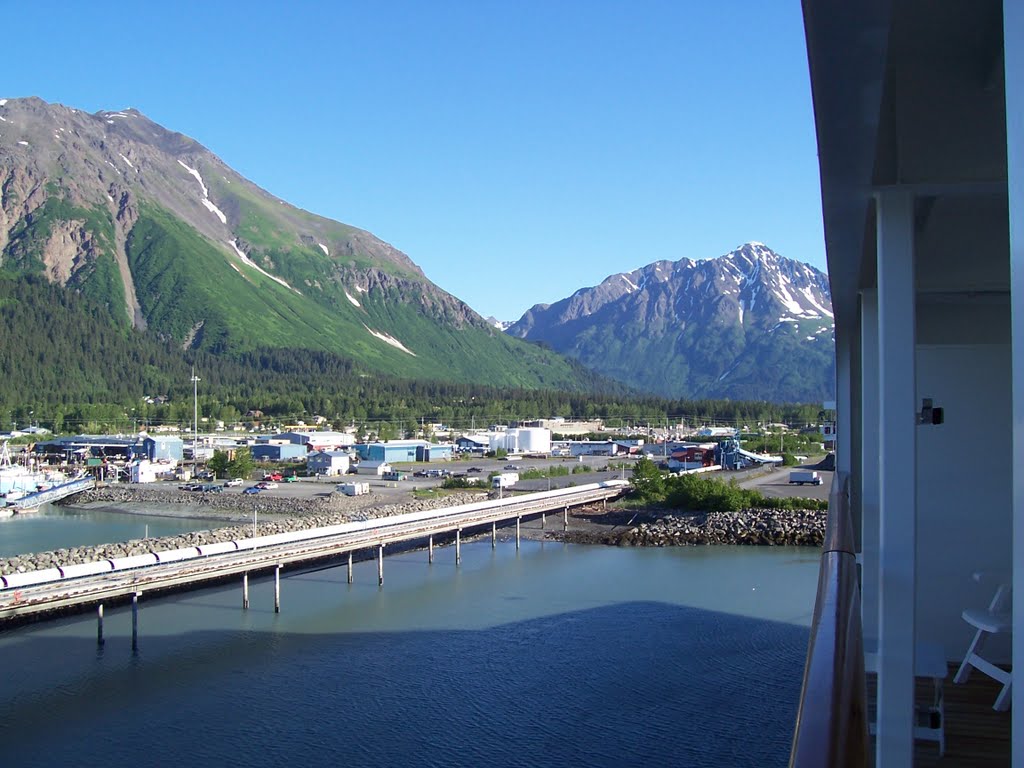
(747, 325)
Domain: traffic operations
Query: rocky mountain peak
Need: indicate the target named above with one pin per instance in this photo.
(696, 320)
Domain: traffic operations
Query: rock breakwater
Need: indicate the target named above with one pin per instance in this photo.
(754, 526)
(302, 514)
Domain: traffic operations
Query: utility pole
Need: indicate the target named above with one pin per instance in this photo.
(195, 421)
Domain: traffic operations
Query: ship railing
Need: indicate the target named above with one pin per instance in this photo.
(832, 723)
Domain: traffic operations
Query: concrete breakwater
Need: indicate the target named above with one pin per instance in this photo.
(753, 526)
(301, 515)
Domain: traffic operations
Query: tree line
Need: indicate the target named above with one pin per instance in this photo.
(68, 364)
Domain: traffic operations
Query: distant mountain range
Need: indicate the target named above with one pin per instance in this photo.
(749, 325)
(177, 245)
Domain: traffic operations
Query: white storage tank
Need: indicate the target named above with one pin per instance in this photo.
(534, 440)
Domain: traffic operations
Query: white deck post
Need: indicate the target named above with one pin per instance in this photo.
(844, 402)
(1013, 58)
(870, 435)
(897, 459)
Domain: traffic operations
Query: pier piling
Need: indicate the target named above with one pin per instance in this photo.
(430, 549)
(543, 520)
(349, 567)
(518, 519)
(99, 625)
(458, 546)
(380, 566)
(494, 535)
(135, 622)
(277, 588)
(245, 591)
(565, 519)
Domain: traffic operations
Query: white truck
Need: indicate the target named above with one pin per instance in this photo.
(801, 476)
(504, 480)
(353, 489)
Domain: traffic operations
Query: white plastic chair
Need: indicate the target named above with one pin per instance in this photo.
(996, 620)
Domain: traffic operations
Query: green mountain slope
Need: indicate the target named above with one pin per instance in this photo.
(185, 251)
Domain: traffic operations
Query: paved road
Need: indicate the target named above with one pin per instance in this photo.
(308, 487)
(775, 483)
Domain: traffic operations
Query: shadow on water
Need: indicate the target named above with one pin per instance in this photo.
(633, 683)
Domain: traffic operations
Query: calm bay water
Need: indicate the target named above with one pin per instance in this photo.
(54, 527)
(555, 655)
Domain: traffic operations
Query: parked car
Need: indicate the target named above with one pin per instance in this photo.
(275, 476)
(511, 466)
(473, 470)
(291, 479)
(253, 489)
(232, 482)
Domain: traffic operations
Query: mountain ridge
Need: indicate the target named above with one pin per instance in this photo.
(750, 324)
(177, 244)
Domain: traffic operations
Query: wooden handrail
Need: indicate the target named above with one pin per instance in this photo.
(831, 724)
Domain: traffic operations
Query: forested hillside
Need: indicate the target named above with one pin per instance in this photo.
(91, 373)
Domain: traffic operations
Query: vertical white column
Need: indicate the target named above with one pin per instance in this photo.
(99, 625)
(870, 435)
(1013, 61)
(494, 535)
(350, 567)
(430, 549)
(380, 566)
(458, 546)
(277, 589)
(896, 473)
(245, 591)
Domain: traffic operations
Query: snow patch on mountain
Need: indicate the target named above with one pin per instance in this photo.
(389, 340)
(250, 263)
(199, 178)
(214, 210)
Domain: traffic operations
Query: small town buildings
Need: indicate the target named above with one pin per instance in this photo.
(375, 468)
(475, 443)
(328, 463)
(319, 440)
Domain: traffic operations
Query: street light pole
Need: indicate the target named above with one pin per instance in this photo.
(195, 420)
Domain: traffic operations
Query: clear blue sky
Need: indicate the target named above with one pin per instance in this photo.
(516, 150)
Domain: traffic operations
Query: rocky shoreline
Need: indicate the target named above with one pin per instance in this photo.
(670, 528)
(284, 515)
(800, 528)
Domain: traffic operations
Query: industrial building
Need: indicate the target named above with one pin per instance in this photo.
(278, 452)
(317, 441)
(403, 450)
(75, 450)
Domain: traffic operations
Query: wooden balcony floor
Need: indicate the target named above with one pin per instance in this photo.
(976, 735)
